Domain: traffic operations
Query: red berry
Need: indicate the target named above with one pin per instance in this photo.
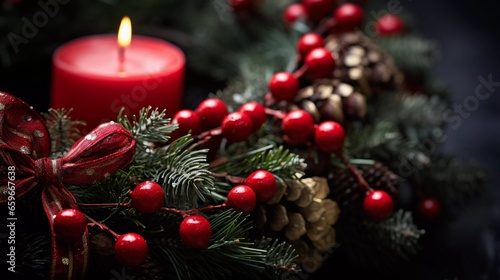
(237, 127)
(131, 249)
(298, 126)
(241, 5)
(348, 16)
(389, 24)
(283, 86)
(429, 208)
(70, 225)
(242, 199)
(195, 232)
(188, 121)
(378, 205)
(318, 9)
(148, 197)
(294, 12)
(263, 183)
(256, 112)
(329, 137)
(320, 63)
(211, 112)
(308, 42)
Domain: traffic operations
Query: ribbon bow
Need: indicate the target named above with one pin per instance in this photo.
(25, 146)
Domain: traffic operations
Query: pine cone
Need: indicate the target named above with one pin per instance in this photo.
(350, 195)
(301, 212)
(363, 64)
(331, 100)
(363, 70)
(151, 270)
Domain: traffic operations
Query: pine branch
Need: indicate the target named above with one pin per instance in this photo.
(255, 70)
(33, 251)
(454, 182)
(413, 55)
(229, 254)
(149, 128)
(380, 245)
(279, 161)
(281, 256)
(63, 131)
(417, 116)
(183, 173)
(384, 142)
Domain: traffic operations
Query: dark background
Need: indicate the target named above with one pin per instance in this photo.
(467, 36)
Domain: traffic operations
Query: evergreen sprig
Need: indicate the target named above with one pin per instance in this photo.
(384, 142)
(148, 128)
(62, 129)
(230, 255)
(182, 172)
(454, 181)
(413, 54)
(279, 161)
(418, 117)
(383, 244)
(34, 255)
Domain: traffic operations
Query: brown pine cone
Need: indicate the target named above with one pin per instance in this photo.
(363, 64)
(334, 100)
(151, 270)
(350, 195)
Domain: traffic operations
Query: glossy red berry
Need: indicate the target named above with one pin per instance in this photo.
(242, 199)
(211, 112)
(298, 126)
(188, 121)
(320, 63)
(429, 208)
(308, 42)
(241, 5)
(388, 25)
(329, 137)
(147, 197)
(283, 86)
(378, 205)
(256, 112)
(318, 9)
(263, 183)
(348, 16)
(237, 127)
(195, 232)
(294, 12)
(131, 249)
(70, 225)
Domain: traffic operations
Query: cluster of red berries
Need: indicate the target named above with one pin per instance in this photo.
(260, 186)
(195, 230)
(299, 128)
(213, 113)
(347, 15)
(70, 225)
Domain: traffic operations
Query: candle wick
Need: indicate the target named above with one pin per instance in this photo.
(121, 59)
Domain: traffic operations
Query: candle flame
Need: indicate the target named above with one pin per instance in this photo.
(125, 32)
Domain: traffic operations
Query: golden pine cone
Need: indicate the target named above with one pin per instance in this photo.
(302, 212)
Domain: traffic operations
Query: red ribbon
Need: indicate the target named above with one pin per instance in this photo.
(25, 144)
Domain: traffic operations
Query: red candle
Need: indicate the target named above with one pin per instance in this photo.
(98, 76)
